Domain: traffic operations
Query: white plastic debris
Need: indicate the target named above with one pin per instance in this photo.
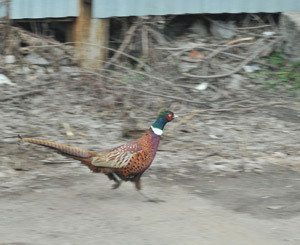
(201, 86)
(5, 80)
(269, 33)
(251, 68)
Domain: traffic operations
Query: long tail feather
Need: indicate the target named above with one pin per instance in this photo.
(63, 149)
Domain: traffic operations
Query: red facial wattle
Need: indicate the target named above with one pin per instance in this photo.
(170, 116)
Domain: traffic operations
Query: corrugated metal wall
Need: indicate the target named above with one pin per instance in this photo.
(2, 8)
(38, 9)
(110, 8)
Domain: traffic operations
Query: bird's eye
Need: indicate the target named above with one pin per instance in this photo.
(170, 116)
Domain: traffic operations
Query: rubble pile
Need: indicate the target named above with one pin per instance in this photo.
(225, 117)
(25, 52)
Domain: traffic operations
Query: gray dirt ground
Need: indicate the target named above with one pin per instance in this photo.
(226, 177)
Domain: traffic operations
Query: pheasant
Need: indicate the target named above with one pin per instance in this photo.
(127, 162)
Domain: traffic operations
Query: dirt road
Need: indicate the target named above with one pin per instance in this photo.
(70, 205)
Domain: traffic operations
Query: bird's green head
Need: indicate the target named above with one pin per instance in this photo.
(164, 116)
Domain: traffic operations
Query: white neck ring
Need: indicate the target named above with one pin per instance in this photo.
(157, 131)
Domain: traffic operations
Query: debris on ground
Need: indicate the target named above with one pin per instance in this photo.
(236, 141)
(48, 94)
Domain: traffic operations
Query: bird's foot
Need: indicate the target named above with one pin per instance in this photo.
(118, 181)
(116, 185)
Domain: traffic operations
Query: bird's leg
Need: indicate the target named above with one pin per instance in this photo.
(118, 181)
(139, 189)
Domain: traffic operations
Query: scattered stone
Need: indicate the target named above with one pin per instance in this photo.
(9, 140)
(217, 167)
(5, 80)
(236, 82)
(290, 30)
(153, 176)
(50, 70)
(258, 170)
(40, 71)
(190, 45)
(198, 191)
(199, 27)
(2, 175)
(67, 69)
(65, 62)
(265, 197)
(275, 207)
(186, 67)
(215, 132)
(251, 68)
(75, 165)
(36, 59)
(57, 52)
(26, 70)
(182, 170)
(279, 154)
(10, 59)
(222, 29)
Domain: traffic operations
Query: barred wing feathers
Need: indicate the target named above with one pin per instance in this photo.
(118, 157)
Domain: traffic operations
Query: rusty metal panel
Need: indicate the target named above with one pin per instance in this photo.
(38, 9)
(119, 8)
